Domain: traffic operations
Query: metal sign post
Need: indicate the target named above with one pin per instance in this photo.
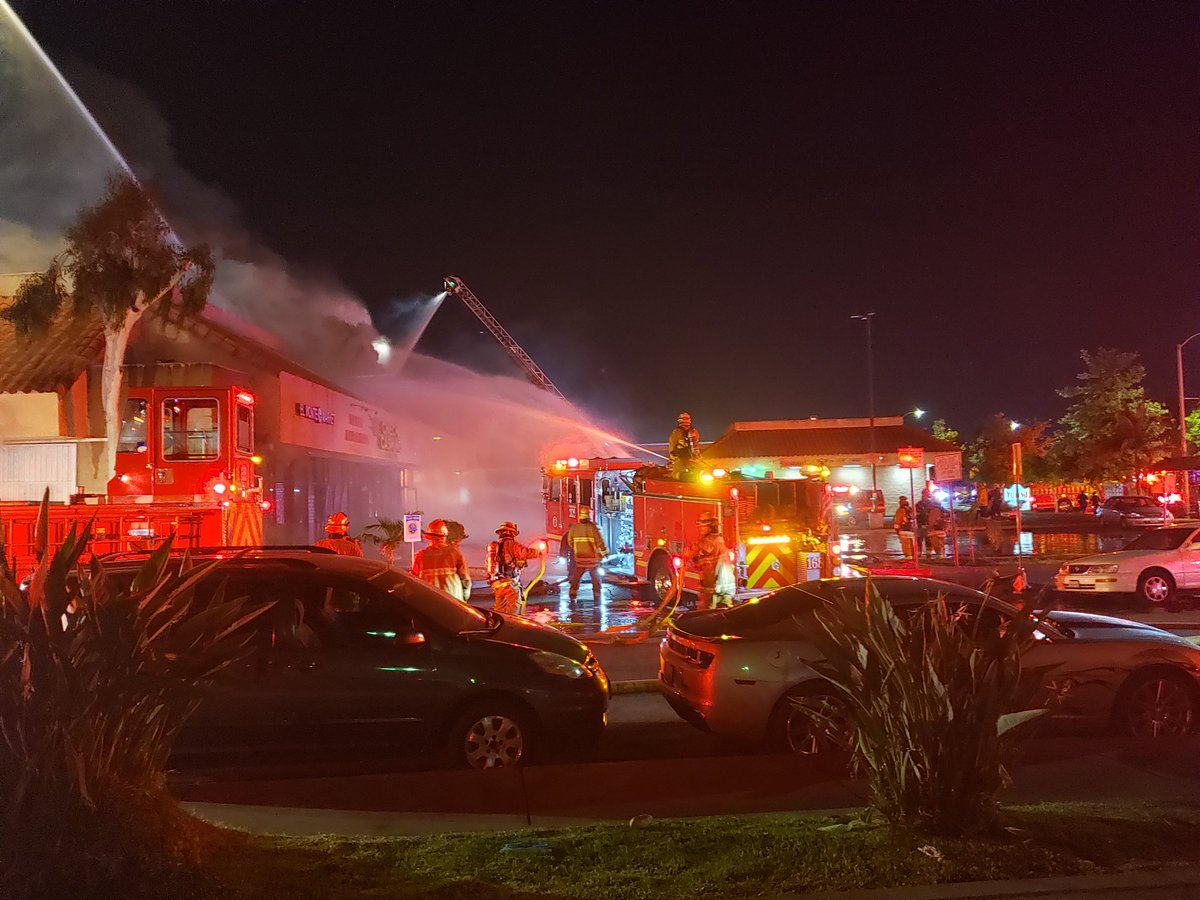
(412, 534)
(1018, 470)
(947, 468)
(912, 458)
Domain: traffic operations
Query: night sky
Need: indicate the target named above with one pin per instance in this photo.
(679, 205)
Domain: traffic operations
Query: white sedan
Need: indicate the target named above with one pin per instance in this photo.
(1156, 566)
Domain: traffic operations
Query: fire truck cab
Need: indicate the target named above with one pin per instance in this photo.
(185, 465)
(771, 526)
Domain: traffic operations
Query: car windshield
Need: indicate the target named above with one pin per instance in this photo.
(1161, 539)
(427, 601)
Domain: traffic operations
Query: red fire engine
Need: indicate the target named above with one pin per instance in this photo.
(770, 525)
(185, 465)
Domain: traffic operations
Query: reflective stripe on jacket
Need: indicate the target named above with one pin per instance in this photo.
(444, 567)
(342, 546)
(585, 543)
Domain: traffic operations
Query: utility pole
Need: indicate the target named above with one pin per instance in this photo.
(867, 317)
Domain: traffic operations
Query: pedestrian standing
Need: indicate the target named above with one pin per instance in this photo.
(1083, 501)
(583, 545)
(935, 531)
(709, 556)
(506, 557)
(902, 524)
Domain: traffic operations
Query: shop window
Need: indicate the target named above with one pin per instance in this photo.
(245, 429)
(191, 428)
(133, 427)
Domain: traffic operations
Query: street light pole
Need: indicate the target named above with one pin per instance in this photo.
(1183, 447)
(867, 317)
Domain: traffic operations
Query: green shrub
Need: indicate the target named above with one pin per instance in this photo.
(929, 700)
(95, 682)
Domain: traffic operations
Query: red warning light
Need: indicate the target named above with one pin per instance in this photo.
(245, 397)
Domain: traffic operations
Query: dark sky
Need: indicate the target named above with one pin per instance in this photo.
(679, 205)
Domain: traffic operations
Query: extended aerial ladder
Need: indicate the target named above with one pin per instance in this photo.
(454, 285)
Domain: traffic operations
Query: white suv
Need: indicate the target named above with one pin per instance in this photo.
(1155, 566)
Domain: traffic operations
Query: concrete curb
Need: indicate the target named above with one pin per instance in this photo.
(643, 686)
(1172, 883)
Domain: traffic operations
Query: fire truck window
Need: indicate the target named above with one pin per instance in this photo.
(572, 491)
(133, 427)
(556, 489)
(190, 428)
(585, 491)
(245, 429)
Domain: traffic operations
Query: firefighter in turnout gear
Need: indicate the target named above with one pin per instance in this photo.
(506, 557)
(442, 564)
(337, 537)
(710, 557)
(683, 447)
(584, 548)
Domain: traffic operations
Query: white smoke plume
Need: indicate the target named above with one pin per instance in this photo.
(476, 440)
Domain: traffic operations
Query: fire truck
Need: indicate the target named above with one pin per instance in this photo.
(185, 465)
(646, 515)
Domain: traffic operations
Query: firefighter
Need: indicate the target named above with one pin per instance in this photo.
(506, 557)
(442, 564)
(683, 447)
(337, 537)
(584, 548)
(458, 534)
(710, 557)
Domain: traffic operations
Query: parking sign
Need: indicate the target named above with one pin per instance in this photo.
(412, 529)
(947, 467)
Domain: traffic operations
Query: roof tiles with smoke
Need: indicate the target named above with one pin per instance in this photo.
(770, 443)
(45, 364)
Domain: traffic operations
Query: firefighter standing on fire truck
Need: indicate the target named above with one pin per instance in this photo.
(506, 557)
(683, 447)
(337, 537)
(442, 564)
(584, 547)
(710, 557)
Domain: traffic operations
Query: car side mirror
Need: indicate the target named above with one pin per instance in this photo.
(410, 639)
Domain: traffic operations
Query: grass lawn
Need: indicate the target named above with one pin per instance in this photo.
(714, 857)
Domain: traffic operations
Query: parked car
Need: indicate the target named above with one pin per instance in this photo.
(1156, 566)
(735, 671)
(354, 656)
(1133, 510)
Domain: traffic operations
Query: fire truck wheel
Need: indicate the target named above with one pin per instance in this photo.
(660, 576)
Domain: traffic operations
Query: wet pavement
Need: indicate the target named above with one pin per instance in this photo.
(624, 610)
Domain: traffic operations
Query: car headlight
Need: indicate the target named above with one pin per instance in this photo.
(1103, 570)
(557, 664)
(1064, 569)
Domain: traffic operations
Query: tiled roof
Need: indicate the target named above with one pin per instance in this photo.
(812, 440)
(45, 364)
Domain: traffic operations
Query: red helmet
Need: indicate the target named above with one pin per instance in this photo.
(437, 531)
(338, 523)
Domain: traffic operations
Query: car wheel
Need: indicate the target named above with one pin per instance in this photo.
(824, 731)
(1157, 704)
(490, 735)
(660, 576)
(1156, 586)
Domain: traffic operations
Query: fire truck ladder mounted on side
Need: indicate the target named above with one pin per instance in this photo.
(533, 371)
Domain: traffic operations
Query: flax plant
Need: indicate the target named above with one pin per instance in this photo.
(96, 679)
(931, 700)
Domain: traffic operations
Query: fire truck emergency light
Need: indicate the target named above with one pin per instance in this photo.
(266, 505)
(245, 397)
(677, 562)
(719, 473)
(219, 487)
